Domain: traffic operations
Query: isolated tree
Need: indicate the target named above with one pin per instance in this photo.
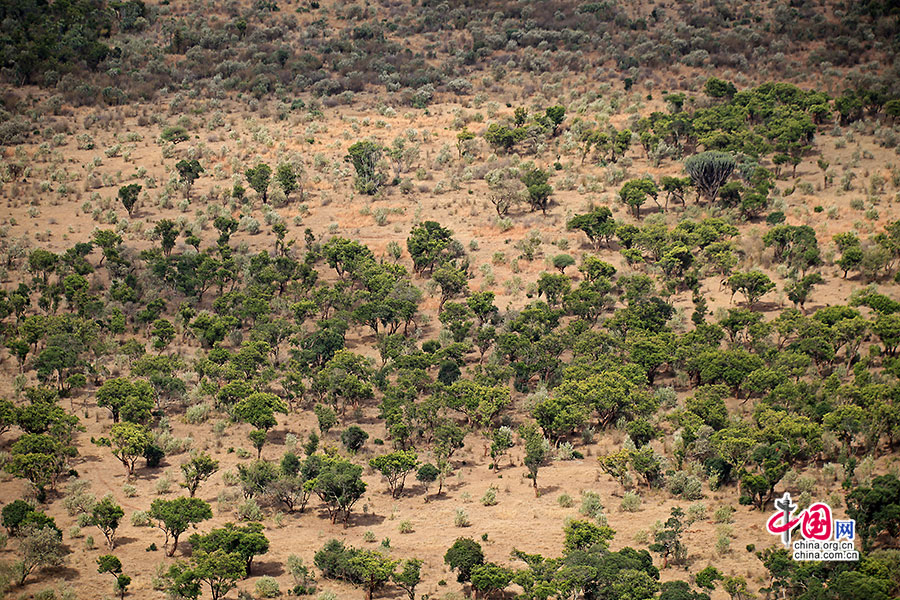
(258, 178)
(584, 535)
(167, 232)
(339, 486)
(597, 225)
(326, 417)
(395, 466)
(426, 475)
(128, 442)
(106, 515)
(753, 284)
(464, 555)
(501, 441)
(109, 563)
(709, 171)
(365, 156)
(40, 547)
(798, 291)
(717, 88)
(198, 469)
(556, 115)
(128, 194)
(668, 542)
(189, 171)
(39, 458)
(173, 517)
(535, 452)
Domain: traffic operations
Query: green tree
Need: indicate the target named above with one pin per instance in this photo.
(635, 191)
(409, 576)
(489, 578)
(426, 475)
(131, 400)
(429, 244)
(464, 555)
(258, 178)
(286, 178)
(365, 157)
(339, 486)
(128, 195)
(162, 332)
(535, 451)
(109, 563)
(259, 410)
(395, 466)
(173, 517)
(752, 284)
(372, 569)
(106, 515)
(220, 570)
(876, 508)
(452, 281)
(353, 438)
(246, 541)
(198, 469)
(667, 542)
(539, 191)
(584, 535)
(41, 547)
(189, 171)
(128, 442)
(556, 115)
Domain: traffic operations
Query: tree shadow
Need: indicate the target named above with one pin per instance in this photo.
(366, 519)
(270, 568)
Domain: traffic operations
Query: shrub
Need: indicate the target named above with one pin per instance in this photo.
(565, 501)
(490, 497)
(631, 502)
(723, 514)
(140, 518)
(406, 526)
(461, 518)
(267, 587)
(591, 506)
(249, 510)
(685, 486)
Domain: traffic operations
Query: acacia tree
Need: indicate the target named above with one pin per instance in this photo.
(753, 284)
(40, 547)
(173, 517)
(709, 171)
(535, 452)
(111, 564)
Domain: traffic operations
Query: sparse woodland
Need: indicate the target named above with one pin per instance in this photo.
(440, 300)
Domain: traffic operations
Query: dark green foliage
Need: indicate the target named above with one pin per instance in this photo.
(365, 157)
(353, 438)
(258, 177)
(246, 541)
(464, 555)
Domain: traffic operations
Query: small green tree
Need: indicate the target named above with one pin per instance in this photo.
(372, 569)
(539, 191)
(40, 547)
(106, 515)
(409, 576)
(634, 193)
(111, 564)
(258, 178)
(189, 171)
(173, 517)
(464, 555)
(365, 156)
(395, 466)
(219, 569)
(128, 441)
(535, 451)
(128, 194)
(667, 542)
(426, 475)
(353, 438)
(198, 469)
